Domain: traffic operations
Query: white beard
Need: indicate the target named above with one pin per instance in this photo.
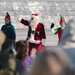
(34, 23)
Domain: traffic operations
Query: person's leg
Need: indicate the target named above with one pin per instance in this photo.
(31, 46)
(41, 48)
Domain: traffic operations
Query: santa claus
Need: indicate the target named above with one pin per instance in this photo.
(36, 33)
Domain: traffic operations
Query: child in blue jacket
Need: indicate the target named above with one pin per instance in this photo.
(9, 29)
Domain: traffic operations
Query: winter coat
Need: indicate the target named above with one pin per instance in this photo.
(9, 31)
(28, 62)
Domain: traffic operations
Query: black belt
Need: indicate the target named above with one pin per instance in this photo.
(34, 32)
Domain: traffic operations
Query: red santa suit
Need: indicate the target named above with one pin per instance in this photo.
(36, 33)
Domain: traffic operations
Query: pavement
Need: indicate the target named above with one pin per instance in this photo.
(51, 39)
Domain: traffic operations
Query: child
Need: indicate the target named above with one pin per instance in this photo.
(8, 29)
(22, 54)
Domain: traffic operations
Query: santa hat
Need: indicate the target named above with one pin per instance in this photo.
(35, 15)
(7, 15)
(62, 19)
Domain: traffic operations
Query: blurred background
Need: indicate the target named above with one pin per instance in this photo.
(48, 10)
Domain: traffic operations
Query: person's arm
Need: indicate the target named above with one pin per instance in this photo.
(43, 34)
(13, 32)
(54, 30)
(24, 22)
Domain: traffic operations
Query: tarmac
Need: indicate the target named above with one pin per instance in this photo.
(51, 39)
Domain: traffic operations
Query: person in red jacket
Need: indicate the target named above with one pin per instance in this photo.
(36, 33)
(60, 28)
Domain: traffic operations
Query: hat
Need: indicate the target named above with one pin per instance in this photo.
(34, 15)
(7, 15)
(62, 19)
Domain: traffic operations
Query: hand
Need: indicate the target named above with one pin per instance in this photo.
(19, 19)
(52, 25)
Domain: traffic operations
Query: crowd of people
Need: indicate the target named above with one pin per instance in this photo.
(30, 56)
